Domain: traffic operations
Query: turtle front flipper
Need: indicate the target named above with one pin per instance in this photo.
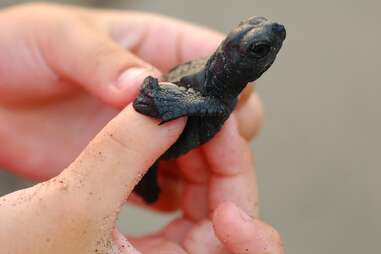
(168, 101)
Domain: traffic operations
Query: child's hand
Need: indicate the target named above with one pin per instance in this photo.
(76, 212)
(66, 71)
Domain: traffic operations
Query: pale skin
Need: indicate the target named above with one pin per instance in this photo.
(65, 74)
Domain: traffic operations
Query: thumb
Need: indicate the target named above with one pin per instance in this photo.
(101, 178)
(92, 59)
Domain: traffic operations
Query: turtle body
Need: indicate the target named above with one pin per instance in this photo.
(206, 90)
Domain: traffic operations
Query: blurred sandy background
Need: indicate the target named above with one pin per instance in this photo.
(319, 154)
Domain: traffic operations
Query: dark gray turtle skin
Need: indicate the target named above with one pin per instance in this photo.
(206, 90)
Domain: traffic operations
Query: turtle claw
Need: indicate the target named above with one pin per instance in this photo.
(145, 102)
(162, 102)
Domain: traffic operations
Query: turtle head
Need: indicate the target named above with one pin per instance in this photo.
(251, 48)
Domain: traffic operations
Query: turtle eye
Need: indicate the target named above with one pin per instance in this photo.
(260, 50)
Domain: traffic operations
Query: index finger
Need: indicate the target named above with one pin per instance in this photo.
(105, 173)
(162, 41)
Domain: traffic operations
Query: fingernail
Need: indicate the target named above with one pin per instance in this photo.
(133, 77)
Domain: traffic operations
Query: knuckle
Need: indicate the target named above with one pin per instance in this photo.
(116, 140)
(123, 144)
(105, 51)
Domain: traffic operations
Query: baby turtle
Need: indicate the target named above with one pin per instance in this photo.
(206, 90)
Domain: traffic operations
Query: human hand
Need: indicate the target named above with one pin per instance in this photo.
(66, 93)
(67, 71)
(219, 202)
(76, 211)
